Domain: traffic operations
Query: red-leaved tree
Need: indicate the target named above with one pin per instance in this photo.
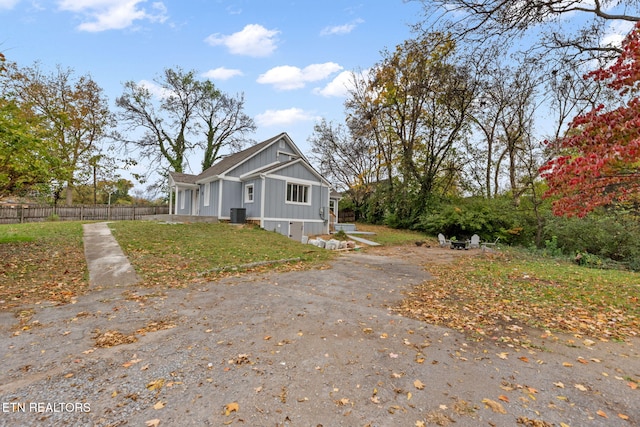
(600, 161)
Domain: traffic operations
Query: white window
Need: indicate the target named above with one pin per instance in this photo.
(182, 195)
(298, 193)
(248, 193)
(207, 193)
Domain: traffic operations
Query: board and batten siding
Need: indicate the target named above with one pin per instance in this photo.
(276, 205)
(232, 197)
(212, 209)
(253, 208)
(183, 201)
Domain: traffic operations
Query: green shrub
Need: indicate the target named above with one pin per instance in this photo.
(599, 235)
(488, 218)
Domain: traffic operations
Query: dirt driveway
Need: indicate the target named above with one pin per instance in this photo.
(304, 348)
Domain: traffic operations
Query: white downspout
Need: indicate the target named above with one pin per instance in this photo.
(220, 199)
(262, 199)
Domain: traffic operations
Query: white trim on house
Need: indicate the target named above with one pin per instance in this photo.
(220, 199)
(294, 220)
(249, 193)
(207, 194)
(262, 199)
(297, 180)
(308, 189)
(257, 171)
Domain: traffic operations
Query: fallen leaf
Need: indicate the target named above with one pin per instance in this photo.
(503, 398)
(623, 416)
(418, 384)
(393, 355)
(559, 384)
(409, 396)
(343, 402)
(495, 406)
(524, 359)
(158, 405)
(580, 387)
(602, 413)
(375, 399)
(632, 385)
(231, 407)
(567, 364)
(502, 355)
(156, 385)
(420, 424)
(152, 423)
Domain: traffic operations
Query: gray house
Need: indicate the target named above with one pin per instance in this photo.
(271, 184)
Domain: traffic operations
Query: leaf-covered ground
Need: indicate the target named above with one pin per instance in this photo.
(41, 262)
(486, 293)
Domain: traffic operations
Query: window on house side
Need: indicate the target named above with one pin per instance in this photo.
(297, 193)
(207, 193)
(248, 194)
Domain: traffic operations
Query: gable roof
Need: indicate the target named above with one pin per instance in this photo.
(233, 160)
(183, 178)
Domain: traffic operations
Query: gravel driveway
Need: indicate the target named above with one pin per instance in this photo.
(305, 348)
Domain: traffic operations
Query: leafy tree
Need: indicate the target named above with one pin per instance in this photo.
(175, 120)
(423, 99)
(73, 110)
(25, 156)
(599, 163)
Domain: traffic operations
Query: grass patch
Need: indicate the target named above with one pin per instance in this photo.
(41, 261)
(177, 254)
(480, 294)
(393, 237)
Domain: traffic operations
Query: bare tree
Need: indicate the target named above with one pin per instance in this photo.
(225, 125)
(479, 19)
(183, 115)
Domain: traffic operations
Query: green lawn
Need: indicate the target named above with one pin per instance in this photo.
(176, 254)
(45, 262)
(478, 293)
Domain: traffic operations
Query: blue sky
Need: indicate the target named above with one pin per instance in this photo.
(290, 58)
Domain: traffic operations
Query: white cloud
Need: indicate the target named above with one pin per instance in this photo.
(341, 29)
(254, 40)
(221, 73)
(616, 33)
(155, 89)
(105, 15)
(284, 117)
(287, 77)
(8, 4)
(340, 86)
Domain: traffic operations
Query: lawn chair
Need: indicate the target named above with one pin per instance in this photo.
(443, 242)
(475, 242)
(489, 245)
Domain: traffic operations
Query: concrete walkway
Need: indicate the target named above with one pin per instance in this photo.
(361, 240)
(107, 264)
